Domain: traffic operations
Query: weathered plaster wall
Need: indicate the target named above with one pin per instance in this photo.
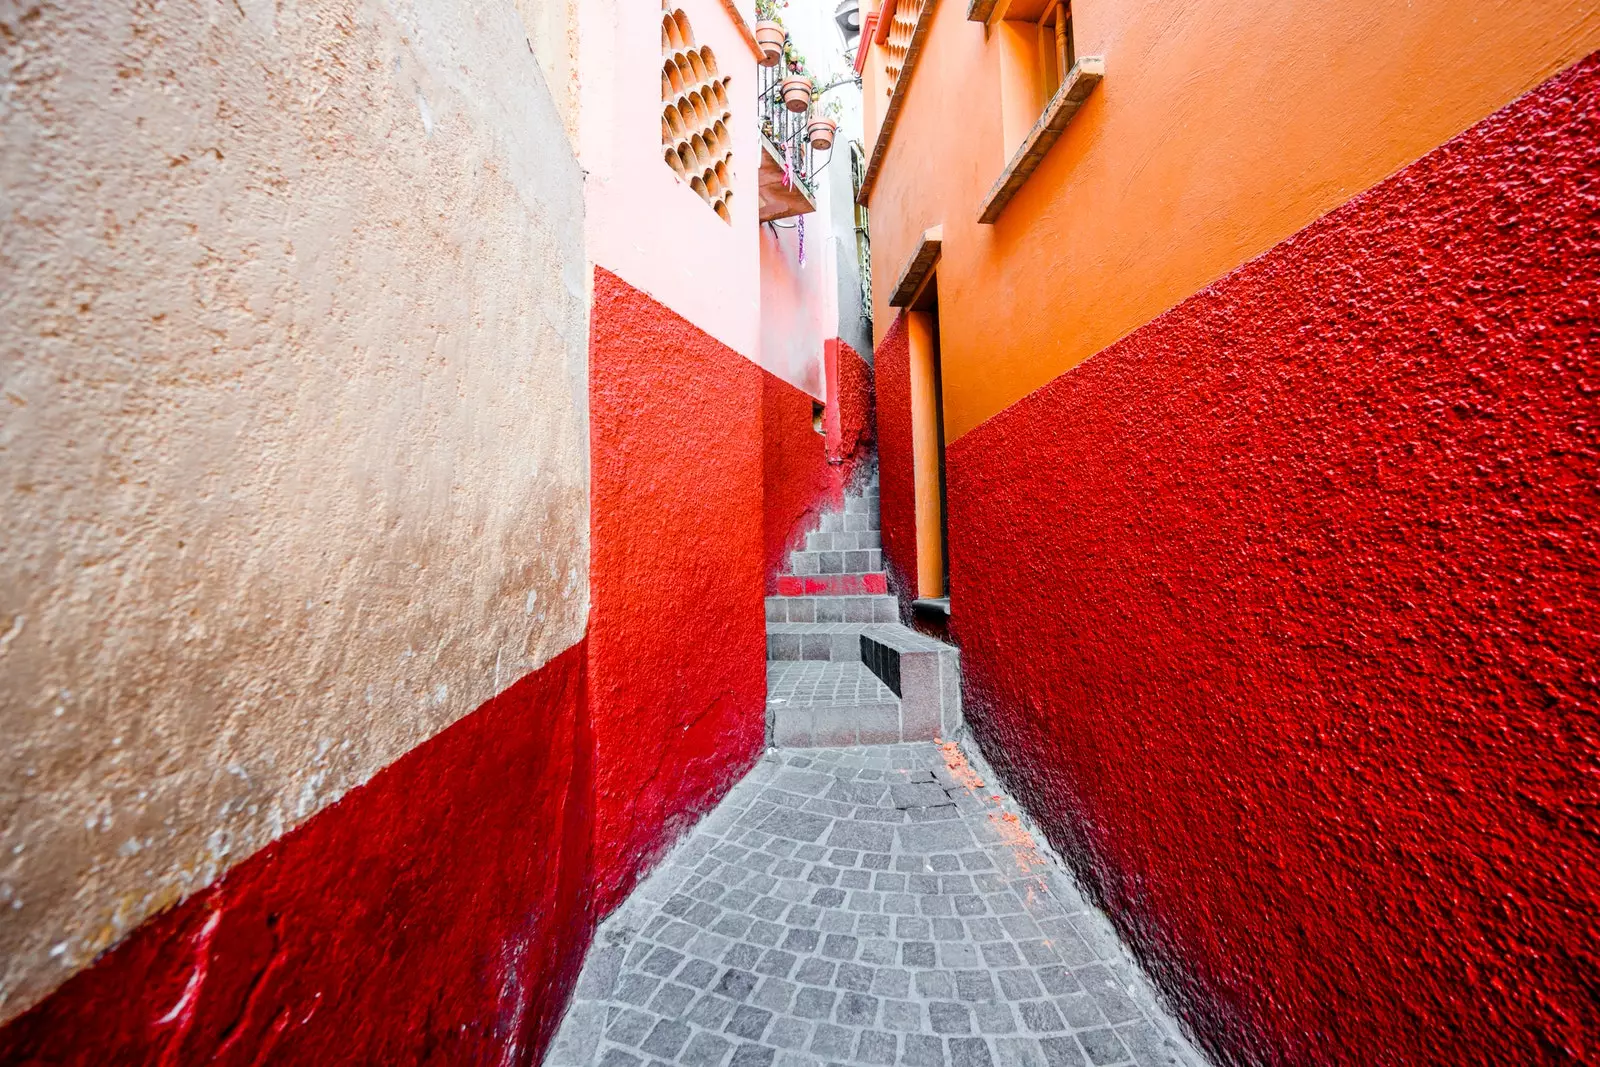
(645, 224)
(1222, 127)
(294, 431)
(437, 914)
(1281, 615)
(677, 638)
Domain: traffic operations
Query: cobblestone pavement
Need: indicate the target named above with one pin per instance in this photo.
(867, 905)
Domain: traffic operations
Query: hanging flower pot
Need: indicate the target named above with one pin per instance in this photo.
(820, 131)
(770, 36)
(797, 93)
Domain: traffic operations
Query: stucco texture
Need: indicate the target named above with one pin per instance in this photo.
(294, 440)
(1280, 614)
(435, 915)
(897, 489)
(1222, 127)
(677, 636)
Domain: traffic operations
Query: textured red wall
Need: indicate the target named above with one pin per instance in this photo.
(1281, 615)
(849, 418)
(798, 483)
(677, 633)
(897, 490)
(434, 915)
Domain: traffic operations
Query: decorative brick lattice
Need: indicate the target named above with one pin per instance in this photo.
(695, 115)
(901, 27)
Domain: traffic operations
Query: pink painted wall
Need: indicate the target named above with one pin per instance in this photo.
(644, 224)
(798, 303)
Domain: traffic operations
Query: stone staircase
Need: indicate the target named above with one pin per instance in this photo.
(841, 670)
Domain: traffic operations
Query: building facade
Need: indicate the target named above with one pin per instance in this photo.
(389, 435)
(1231, 369)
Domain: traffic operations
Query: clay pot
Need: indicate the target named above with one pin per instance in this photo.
(820, 130)
(770, 36)
(797, 93)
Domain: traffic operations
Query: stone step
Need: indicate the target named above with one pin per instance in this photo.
(849, 521)
(816, 704)
(839, 641)
(833, 584)
(832, 609)
(842, 540)
(851, 561)
(923, 672)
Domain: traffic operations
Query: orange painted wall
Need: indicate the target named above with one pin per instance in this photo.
(1222, 127)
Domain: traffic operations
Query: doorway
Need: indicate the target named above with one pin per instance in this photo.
(927, 438)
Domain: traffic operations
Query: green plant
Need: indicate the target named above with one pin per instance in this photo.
(770, 10)
(795, 62)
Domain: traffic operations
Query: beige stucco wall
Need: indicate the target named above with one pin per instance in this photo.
(293, 454)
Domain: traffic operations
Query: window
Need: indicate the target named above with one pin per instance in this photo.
(1043, 84)
(1053, 43)
(1036, 53)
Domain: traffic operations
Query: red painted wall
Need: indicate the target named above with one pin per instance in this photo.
(897, 490)
(677, 632)
(848, 419)
(798, 483)
(1281, 615)
(804, 473)
(434, 915)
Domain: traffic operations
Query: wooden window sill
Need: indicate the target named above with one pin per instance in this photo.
(1085, 74)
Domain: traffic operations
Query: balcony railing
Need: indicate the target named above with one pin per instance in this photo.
(785, 129)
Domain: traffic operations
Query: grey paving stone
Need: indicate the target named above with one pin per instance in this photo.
(749, 1023)
(948, 1017)
(630, 1027)
(1018, 1052)
(877, 1047)
(1062, 1052)
(795, 825)
(995, 1017)
(736, 983)
(705, 1050)
(774, 994)
(812, 1003)
(857, 1009)
(833, 1041)
(808, 920)
(790, 1032)
(671, 1000)
(711, 1011)
(903, 1015)
(970, 1052)
(667, 1037)
(1102, 1046)
(854, 977)
(920, 1050)
(752, 1056)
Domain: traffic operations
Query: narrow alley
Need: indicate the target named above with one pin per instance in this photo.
(799, 533)
(877, 904)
